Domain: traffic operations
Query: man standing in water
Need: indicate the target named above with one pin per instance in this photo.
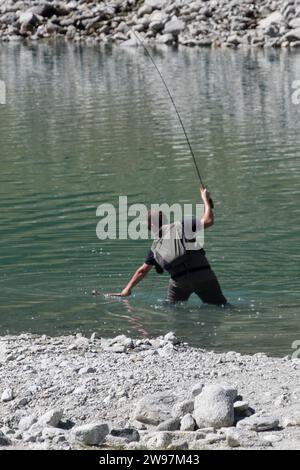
(175, 250)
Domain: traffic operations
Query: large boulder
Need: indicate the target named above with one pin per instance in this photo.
(154, 409)
(90, 434)
(214, 408)
(273, 18)
(174, 27)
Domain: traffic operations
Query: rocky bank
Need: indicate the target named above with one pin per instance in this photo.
(75, 392)
(208, 23)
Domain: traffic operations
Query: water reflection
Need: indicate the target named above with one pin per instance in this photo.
(83, 125)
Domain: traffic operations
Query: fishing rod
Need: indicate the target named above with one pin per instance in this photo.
(176, 110)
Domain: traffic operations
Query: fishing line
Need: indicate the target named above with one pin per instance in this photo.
(175, 107)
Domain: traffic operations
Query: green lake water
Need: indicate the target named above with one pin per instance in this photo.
(83, 125)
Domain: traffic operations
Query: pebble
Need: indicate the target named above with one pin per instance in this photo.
(7, 395)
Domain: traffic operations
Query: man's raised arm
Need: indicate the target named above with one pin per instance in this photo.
(208, 216)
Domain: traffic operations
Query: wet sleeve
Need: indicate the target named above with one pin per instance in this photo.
(150, 258)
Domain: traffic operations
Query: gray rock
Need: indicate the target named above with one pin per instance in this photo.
(46, 10)
(187, 423)
(171, 337)
(4, 440)
(95, 336)
(145, 9)
(230, 390)
(52, 433)
(214, 438)
(172, 424)
(273, 31)
(258, 423)
(51, 418)
(234, 40)
(213, 407)
(180, 444)
(90, 434)
(182, 408)
(157, 20)
(120, 339)
(80, 343)
(119, 348)
(33, 434)
(7, 395)
(233, 438)
(165, 39)
(26, 422)
(126, 434)
(174, 27)
(197, 389)
(272, 438)
(167, 350)
(281, 400)
(293, 35)
(28, 18)
(240, 406)
(8, 18)
(294, 23)
(154, 409)
(159, 440)
(156, 4)
(23, 402)
(157, 343)
(291, 417)
(86, 370)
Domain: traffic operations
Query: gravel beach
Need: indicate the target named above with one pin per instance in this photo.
(201, 23)
(74, 392)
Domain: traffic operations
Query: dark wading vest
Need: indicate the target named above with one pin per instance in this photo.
(177, 255)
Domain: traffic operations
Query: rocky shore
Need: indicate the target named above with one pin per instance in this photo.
(75, 392)
(209, 23)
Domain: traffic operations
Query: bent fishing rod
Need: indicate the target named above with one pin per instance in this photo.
(176, 110)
